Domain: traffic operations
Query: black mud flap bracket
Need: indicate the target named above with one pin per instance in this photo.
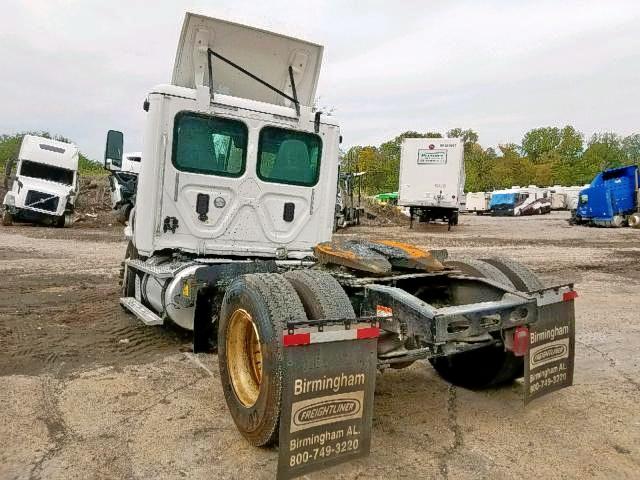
(210, 282)
(327, 398)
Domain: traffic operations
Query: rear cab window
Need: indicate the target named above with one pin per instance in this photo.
(209, 145)
(288, 156)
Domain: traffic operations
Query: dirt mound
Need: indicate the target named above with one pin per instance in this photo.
(382, 214)
(93, 206)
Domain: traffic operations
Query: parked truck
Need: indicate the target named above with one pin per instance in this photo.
(123, 183)
(478, 202)
(44, 187)
(518, 201)
(611, 200)
(232, 240)
(431, 178)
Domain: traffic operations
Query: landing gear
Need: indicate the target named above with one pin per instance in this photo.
(433, 214)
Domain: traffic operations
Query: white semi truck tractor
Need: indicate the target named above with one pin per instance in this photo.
(123, 183)
(44, 187)
(231, 236)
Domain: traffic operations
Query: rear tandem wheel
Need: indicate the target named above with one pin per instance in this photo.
(254, 313)
(493, 365)
(321, 295)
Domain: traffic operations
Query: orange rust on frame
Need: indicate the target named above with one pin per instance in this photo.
(407, 248)
(327, 252)
(326, 249)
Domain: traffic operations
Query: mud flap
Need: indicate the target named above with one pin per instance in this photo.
(327, 399)
(550, 358)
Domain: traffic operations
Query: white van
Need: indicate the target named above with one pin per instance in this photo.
(45, 185)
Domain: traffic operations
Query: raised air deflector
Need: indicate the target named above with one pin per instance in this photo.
(266, 54)
(377, 257)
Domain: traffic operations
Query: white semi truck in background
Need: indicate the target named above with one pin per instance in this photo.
(231, 236)
(432, 178)
(44, 187)
(123, 183)
(477, 202)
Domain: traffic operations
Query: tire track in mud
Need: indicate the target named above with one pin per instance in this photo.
(612, 363)
(452, 420)
(57, 430)
(45, 326)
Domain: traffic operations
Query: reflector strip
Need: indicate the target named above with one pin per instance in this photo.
(556, 296)
(294, 339)
(371, 332)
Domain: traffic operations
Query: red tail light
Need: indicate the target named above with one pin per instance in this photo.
(521, 341)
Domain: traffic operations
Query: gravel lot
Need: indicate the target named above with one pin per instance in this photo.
(88, 392)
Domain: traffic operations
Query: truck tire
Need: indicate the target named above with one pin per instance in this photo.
(254, 313)
(520, 276)
(487, 366)
(479, 268)
(634, 220)
(7, 218)
(64, 221)
(481, 368)
(321, 295)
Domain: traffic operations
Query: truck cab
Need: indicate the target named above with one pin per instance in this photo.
(611, 200)
(123, 183)
(45, 184)
(236, 162)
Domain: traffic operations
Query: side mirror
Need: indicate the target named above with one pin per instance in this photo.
(113, 150)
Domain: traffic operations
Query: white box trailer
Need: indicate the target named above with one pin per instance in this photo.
(477, 202)
(45, 185)
(432, 178)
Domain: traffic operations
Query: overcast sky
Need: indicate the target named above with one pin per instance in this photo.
(78, 68)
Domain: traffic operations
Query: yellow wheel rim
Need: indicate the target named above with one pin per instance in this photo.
(244, 357)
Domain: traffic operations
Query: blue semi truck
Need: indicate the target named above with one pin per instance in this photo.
(611, 200)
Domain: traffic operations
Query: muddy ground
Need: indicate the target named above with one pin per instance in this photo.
(88, 392)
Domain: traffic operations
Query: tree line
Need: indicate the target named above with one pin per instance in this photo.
(546, 156)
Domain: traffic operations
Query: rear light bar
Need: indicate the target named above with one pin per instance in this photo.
(307, 338)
